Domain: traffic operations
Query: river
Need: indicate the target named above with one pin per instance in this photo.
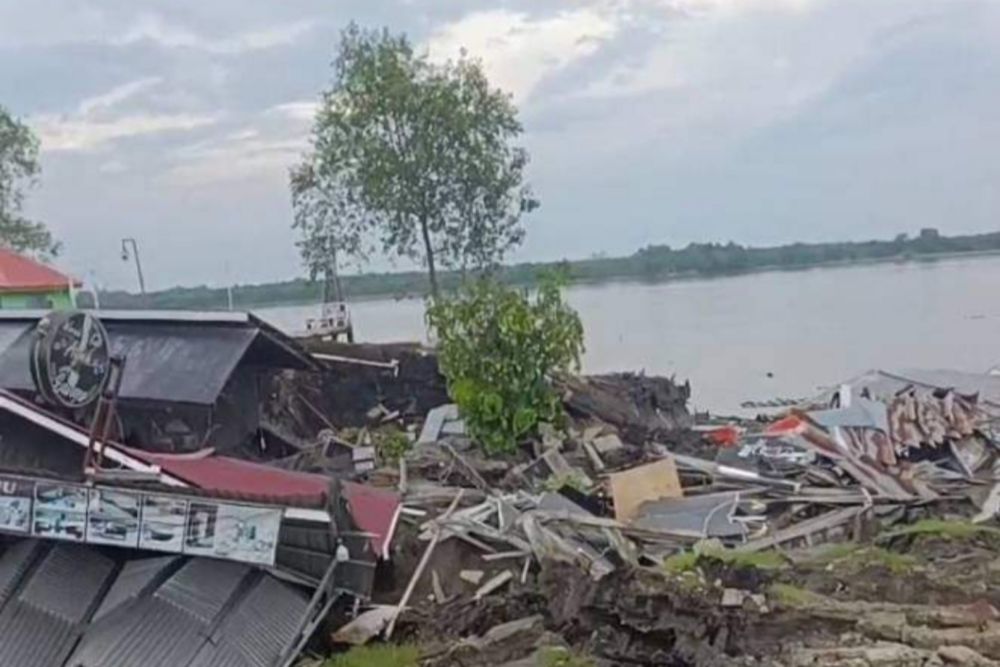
(764, 335)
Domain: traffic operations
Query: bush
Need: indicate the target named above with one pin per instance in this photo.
(498, 348)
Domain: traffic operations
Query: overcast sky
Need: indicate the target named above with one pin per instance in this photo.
(648, 121)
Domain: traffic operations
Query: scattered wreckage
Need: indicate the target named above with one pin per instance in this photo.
(624, 492)
(199, 489)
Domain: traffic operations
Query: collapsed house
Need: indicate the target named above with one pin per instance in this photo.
(173, 551)
(189, 379)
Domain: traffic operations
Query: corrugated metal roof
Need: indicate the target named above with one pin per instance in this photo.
(14, 562)
(203, 586)
(168, 358)
(134, 579)
(257, 630)
(30, 637)
(68, 581)
(209, 613)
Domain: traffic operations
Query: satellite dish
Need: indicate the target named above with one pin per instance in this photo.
(70, 358)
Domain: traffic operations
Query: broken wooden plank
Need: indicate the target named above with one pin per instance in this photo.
(652, 481)
(420, 569)
(439, 595)
(803, 529)
(434, 422)
(494, 584)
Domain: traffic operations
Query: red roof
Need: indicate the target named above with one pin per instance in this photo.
(375, 511)
(20, 274)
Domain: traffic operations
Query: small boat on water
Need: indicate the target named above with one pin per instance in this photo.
(333, 322)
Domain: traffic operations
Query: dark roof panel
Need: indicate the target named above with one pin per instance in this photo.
(68, 582)
(203, 586)
(135, 578)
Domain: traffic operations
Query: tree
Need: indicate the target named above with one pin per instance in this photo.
(412, 158)
(499, 348)
(18, 170)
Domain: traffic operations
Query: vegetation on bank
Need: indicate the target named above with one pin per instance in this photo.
(653, 263)
(498, 347)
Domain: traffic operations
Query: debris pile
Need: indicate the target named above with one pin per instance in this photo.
(638, 537)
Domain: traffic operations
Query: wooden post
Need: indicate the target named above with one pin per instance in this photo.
(423, 564)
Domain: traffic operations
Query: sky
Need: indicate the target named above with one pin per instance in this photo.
(647, 121)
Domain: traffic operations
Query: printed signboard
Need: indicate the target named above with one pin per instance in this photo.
(15, 505)
(137, 520)
(234, 532)
(113, 518)
(60, 512)
(163, 519)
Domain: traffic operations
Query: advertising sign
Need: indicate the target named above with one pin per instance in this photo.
(60, 512)
(234, 532)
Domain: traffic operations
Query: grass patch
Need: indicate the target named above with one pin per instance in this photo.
(855, 557)
(560, 657)
(688, 561)
(788, 595)
(957, 530)
(380, 655)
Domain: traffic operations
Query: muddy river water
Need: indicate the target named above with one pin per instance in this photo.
(765, 335)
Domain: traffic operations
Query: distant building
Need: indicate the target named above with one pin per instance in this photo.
(25, 283)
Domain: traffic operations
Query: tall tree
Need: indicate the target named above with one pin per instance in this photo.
(18, 171)
(412, 158)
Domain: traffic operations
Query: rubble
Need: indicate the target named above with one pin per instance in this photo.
(853, 528)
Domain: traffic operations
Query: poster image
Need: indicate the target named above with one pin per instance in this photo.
(60, 512)
(235, 532)
(113, 518)
(15, 505)
(163, 520)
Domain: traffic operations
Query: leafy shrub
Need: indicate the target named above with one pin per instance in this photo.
(498, 348)
(392, 445)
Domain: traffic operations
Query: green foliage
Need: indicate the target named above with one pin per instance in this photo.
(392, 444)
(498, 348)
(554, 656)
(412, 156)
(379, 655)
(959, 530)
(572, 479)
(18, 169)
(687, 561)
(854, 557)
(789, 595)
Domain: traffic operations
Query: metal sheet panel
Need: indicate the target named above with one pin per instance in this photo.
(203, 586)
(257, 630)
(13, 564)
(68, 582)
(185, 363)
(135, 578)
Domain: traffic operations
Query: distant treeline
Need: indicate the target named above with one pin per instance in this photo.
(652, 263)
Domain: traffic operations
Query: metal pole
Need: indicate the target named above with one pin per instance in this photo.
(138, 262)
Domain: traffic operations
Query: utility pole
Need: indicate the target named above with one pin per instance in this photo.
(138, 263)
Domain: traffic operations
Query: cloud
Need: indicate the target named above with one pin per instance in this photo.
(299, 110)
(117, 95)
(519, 51)
(154, 28)
(84, 134)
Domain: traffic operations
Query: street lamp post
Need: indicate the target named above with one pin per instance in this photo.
(138, 263)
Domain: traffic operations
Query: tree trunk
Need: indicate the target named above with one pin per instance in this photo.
(430, 257)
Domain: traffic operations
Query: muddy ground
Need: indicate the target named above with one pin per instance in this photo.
(928, 598)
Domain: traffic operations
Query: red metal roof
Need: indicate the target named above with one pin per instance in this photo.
(20, 274)
(375, 511)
